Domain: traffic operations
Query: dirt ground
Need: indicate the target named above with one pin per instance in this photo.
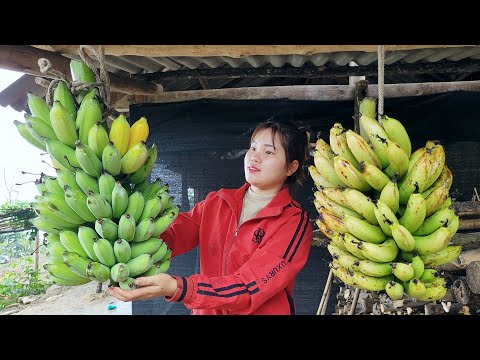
(71, 300)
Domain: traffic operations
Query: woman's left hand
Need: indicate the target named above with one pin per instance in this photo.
(148, 287)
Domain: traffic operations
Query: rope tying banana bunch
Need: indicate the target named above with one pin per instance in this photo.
(102, 216)
(386, 210)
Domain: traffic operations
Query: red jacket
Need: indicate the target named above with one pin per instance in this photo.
(243, 270)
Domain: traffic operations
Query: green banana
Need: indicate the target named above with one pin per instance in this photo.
(394, 290)
(55, 251)
(59, 205)
(104, 251)
(88, 160)
(373, 268)
(122, 250)
(443, 256)
(111, 159)
(167, 256)
(374, 130)
(63, 95)
(163, 222)
(390, 196)
(415, 288)
(38, 107)
(128, 284)
(134, 158)
(86, 182)
(63, 124)
(38, 129)
(163, 268)
(144, 230)
(119, 200)
(359, 280)
(397, 157)
(416, 178)
(135, 206)
(429, 276)
(361, 204)
(41, 188)
(49, 214)
(438, 164)
(402, 271)
(396, 132)
(385, 217)
(347, 172)
(107, 229)
(81, 72)
(99, 207)
(376, 178)
(70, 241)
(77, 263)
(66, 177)
(435, 200)
(326, 169)
(153, 189)
(339, 145)
(158, 256)
(89, 113)
(430, 244)
(418, 266)
(384, 252)
(97, 139)
(23, 131)
(106, 183)
(337, 195)
(62, 271)
(46, 225)
(324, 148)
(52, 238)
(77, 200)
(119, 272)
(415, 212)
(154, 270)
(126, 227)
(361, 150)
(417, 154)
(344, 258)
(352, 244)
(318, 179)
(322, 199)
(63, 282)
(402, 237)
(63, 154)
(433, 293)
(149, 246)
(364, 230)
(86, 237)
(144, 171)
(98, 272)
(434, 221)
(140, 264)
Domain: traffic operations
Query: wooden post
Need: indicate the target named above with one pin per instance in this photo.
(35, 253)
(361, 90)
(325, 295)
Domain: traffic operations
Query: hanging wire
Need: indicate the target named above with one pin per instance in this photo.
(381, 66)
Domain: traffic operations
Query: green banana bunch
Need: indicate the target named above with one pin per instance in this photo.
(362, 281)
(57, 203)
(54, 216)
(47, 225)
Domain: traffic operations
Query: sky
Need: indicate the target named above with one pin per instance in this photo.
(16, 154)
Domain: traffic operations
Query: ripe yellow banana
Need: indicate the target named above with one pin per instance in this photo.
(120, 134)
(417, 154)
(330, 220)
(396, 132)
(374, 176)
(323, 148)
(134, 158)
(337, 195)
(138, 132)
(144, 171)
(436, 199)
(361, 150)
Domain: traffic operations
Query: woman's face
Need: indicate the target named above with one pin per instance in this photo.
(265, 165)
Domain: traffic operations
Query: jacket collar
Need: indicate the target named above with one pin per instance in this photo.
(234, 198)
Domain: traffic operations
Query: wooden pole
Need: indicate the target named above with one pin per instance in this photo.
(325, 295)
(354, 302)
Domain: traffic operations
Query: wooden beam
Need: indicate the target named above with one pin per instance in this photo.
(310, 92)
(309, 72)
(234, 51)
(24, 58)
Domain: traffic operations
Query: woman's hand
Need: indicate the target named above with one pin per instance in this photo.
(149, 287)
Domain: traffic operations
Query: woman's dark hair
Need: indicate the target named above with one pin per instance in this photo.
(295, 138)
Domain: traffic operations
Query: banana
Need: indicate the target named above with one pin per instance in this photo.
(349, 175)
(337, 195)
(325, 169)
(414, 214)
(63, 282)
(397, 157)
(77, 263)
(38, 107)
(149, 246)
(453, 226)
(99, 207)
(154, 270)
(111, 160)
(152, 208)
(396, 132)
(23, 131)
(415, 288)
(417, 154)
(394, 290)
(119, 272)
(135, 206)
(361, 150)
(81, 72)
(390, 195)
(70, 241)
(416, 179)
(65, 177)
(385, 217)
(402, 237)
(104, 251)
(344, 258)
(119, 200)
(364, 230)
(38, 129)
(63, 95)
(339, 145)
(98, 272)
(88, 160)
(134, 158)
(167, 256)
(374, 130)
(77, 201)
(55, 251)
(54, 216)
(51, 238)
(164, 265)
(445, 179)
(122, 250)
(106, 184)
(446, 204)
(62, 153)
(162, 251)
(57, 203)
(430, 244)
(62, 271)
(318, 179)
(89, 113)
(47, 225)
(441, 257)
(41, 188)
(435, 200)
(153, 189)
(120, 134)
(351, 243)
(375, 177)
(97, 139)
(418, 266)
(166, 200)
(86, 182)
(52, 185)
(429, 276)
(373, 268)
(144, 230)
(140, 264)
(145, 170)
(438, 163)
(86, 238)
(436, 220)
(138, 132)
(126, 227)
(128, 284)
(63, 124)
(402, 271)
(323, 148)
(384, 252)
(107, 229)
(323, 200)
(359, 280)
(163, 222)
(433, 293)
(332, 221)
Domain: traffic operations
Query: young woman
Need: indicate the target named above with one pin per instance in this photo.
(253, 241)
